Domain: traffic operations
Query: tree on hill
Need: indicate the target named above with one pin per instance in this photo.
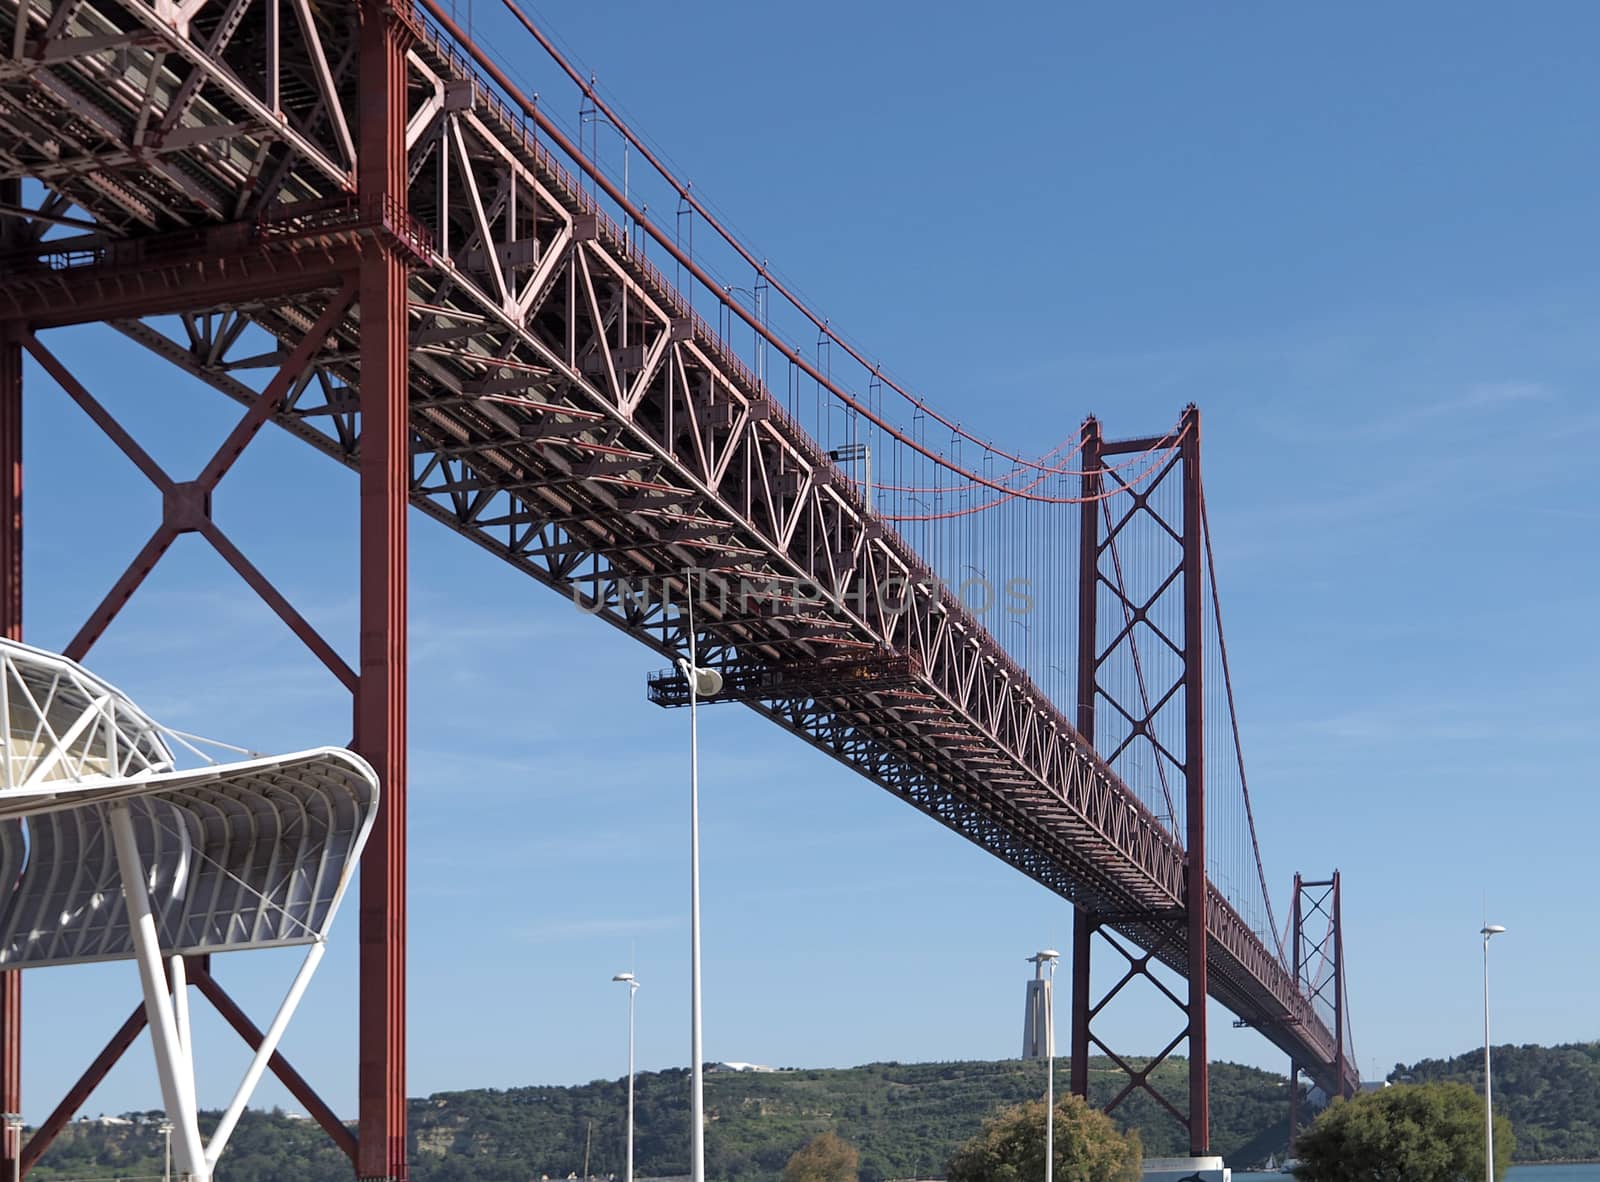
(824, 1158)
(1551, 1095)
(1410, 1133)
(1010, 1147)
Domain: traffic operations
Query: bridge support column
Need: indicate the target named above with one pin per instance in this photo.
(380, 706)
(1196, 890)
(1297, 936)
(1338, 994)
(1294, 1104)
(1088, 667)
(1082, 943)
(11, 628)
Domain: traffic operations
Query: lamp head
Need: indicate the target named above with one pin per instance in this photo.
(706, 682)
(628, 977)
(1492, 929)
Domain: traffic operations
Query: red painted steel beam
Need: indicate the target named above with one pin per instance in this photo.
(121, 591)
(278, 388)
(380, 706)
(1082, 942)
(1194, 775)
(180, 513)
(150, 553)
(115, 290)
(280, 605)
(1294, 1105)
(1138, 966)
(1083, 923)
(1123, 447)
(291, 1079)
(101, 417)
(11, 629)
(1139, 1080)
(1338, 985)
(1294, 1082)
(10, 484)
(46, 1133)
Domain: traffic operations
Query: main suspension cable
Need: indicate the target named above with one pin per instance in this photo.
(688, 199)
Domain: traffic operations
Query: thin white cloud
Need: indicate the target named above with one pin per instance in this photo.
(1411, 722)
(590, 929)
(1473, 401)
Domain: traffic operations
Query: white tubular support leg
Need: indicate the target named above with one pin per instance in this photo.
(179, 976)
(172, 1063)
(269, 1044)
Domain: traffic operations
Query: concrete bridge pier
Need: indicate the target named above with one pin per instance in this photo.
(1186, 1169)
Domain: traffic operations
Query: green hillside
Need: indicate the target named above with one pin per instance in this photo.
(904, 1118)
(1551, 1094)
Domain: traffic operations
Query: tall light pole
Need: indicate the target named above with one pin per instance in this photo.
(1040, 960)
(708, 682)
(166, 1169)
(633, 987)
(1490, 931)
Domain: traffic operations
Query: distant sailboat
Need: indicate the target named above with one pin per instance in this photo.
(1272, 1163)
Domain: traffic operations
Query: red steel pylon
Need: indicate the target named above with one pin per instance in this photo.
(370, 276)
(1180, 936)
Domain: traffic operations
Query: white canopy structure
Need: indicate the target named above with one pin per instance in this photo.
(110, 851)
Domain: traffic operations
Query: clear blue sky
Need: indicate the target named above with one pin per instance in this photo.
(1361, 238)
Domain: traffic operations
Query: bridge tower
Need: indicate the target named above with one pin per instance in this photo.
(216, 271)
(1318, 955)
(1177, 682)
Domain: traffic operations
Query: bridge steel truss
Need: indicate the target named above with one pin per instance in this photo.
(325, 214)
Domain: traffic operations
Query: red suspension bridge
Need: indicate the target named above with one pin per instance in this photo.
(351, 219)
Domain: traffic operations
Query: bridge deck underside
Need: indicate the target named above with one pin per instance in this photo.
(569, 414)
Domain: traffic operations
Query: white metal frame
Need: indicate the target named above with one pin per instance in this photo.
(109, 851)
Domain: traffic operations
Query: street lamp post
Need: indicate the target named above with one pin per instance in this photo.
(851, 453)
(707, 682)
(1039, 960)
(14, 1137)
(633, 987)
(1488, 933)
(166, 1169)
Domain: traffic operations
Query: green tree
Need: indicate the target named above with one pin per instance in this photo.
(824, 1158)
(1412, 1132)
(1010, 1147)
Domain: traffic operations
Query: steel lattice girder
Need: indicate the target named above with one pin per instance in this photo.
(570, 415)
